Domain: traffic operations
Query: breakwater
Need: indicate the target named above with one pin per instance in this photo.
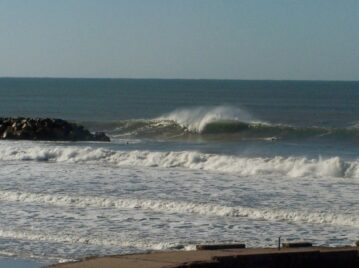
(46, 129)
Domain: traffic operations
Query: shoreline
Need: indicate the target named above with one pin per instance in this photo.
(306, 256)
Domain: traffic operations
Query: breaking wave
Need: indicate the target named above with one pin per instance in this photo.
(182, 207)
(242, 166)
(220, 122)
(198, 119)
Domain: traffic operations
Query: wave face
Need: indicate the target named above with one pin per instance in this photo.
(223, 122)
(198, 119)
(284, 166)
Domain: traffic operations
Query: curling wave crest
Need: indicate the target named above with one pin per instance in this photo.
(197, 119)
(222, 129)
(242, 166)
(182, 207)
(222, 122)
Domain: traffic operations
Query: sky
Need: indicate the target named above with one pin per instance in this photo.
(209, 39)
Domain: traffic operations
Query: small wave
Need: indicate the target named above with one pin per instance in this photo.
(7, 253)
(69, 238)
(181, 207)
(30, 256)
(242, 166)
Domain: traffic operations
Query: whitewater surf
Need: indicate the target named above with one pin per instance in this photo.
(189, 162)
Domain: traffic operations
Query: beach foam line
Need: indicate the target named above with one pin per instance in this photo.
(29, 256)
(294, 167)
(69, 238)
(183, 207)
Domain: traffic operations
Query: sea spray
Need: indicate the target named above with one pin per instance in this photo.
(195, 119)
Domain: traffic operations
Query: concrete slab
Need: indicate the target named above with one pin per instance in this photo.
(230, 257)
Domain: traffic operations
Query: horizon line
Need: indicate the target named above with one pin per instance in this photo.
(156, 78)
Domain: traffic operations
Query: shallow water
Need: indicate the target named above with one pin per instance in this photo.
(14, 263)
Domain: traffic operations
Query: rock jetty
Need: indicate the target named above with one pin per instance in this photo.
(46, 129)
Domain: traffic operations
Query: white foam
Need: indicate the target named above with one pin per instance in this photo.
(195, 119)
(7, 253)
(65, 260)
(243, 166)
(70, 238)
(27, 256)
(182, 207)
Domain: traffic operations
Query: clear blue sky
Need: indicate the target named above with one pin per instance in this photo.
(235, 39)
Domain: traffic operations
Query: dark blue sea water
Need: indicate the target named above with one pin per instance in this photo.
(190, 161)
(323, 117)
(302, 103)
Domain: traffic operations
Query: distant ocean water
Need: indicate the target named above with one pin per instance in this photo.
(191, 161)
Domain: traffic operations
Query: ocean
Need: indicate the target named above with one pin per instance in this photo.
(189, 162)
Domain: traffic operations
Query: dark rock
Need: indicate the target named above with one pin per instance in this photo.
(8, 133)
(2, 128)
(46, 129)
(101, 136)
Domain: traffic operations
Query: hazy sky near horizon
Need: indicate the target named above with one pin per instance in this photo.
(230, 39)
